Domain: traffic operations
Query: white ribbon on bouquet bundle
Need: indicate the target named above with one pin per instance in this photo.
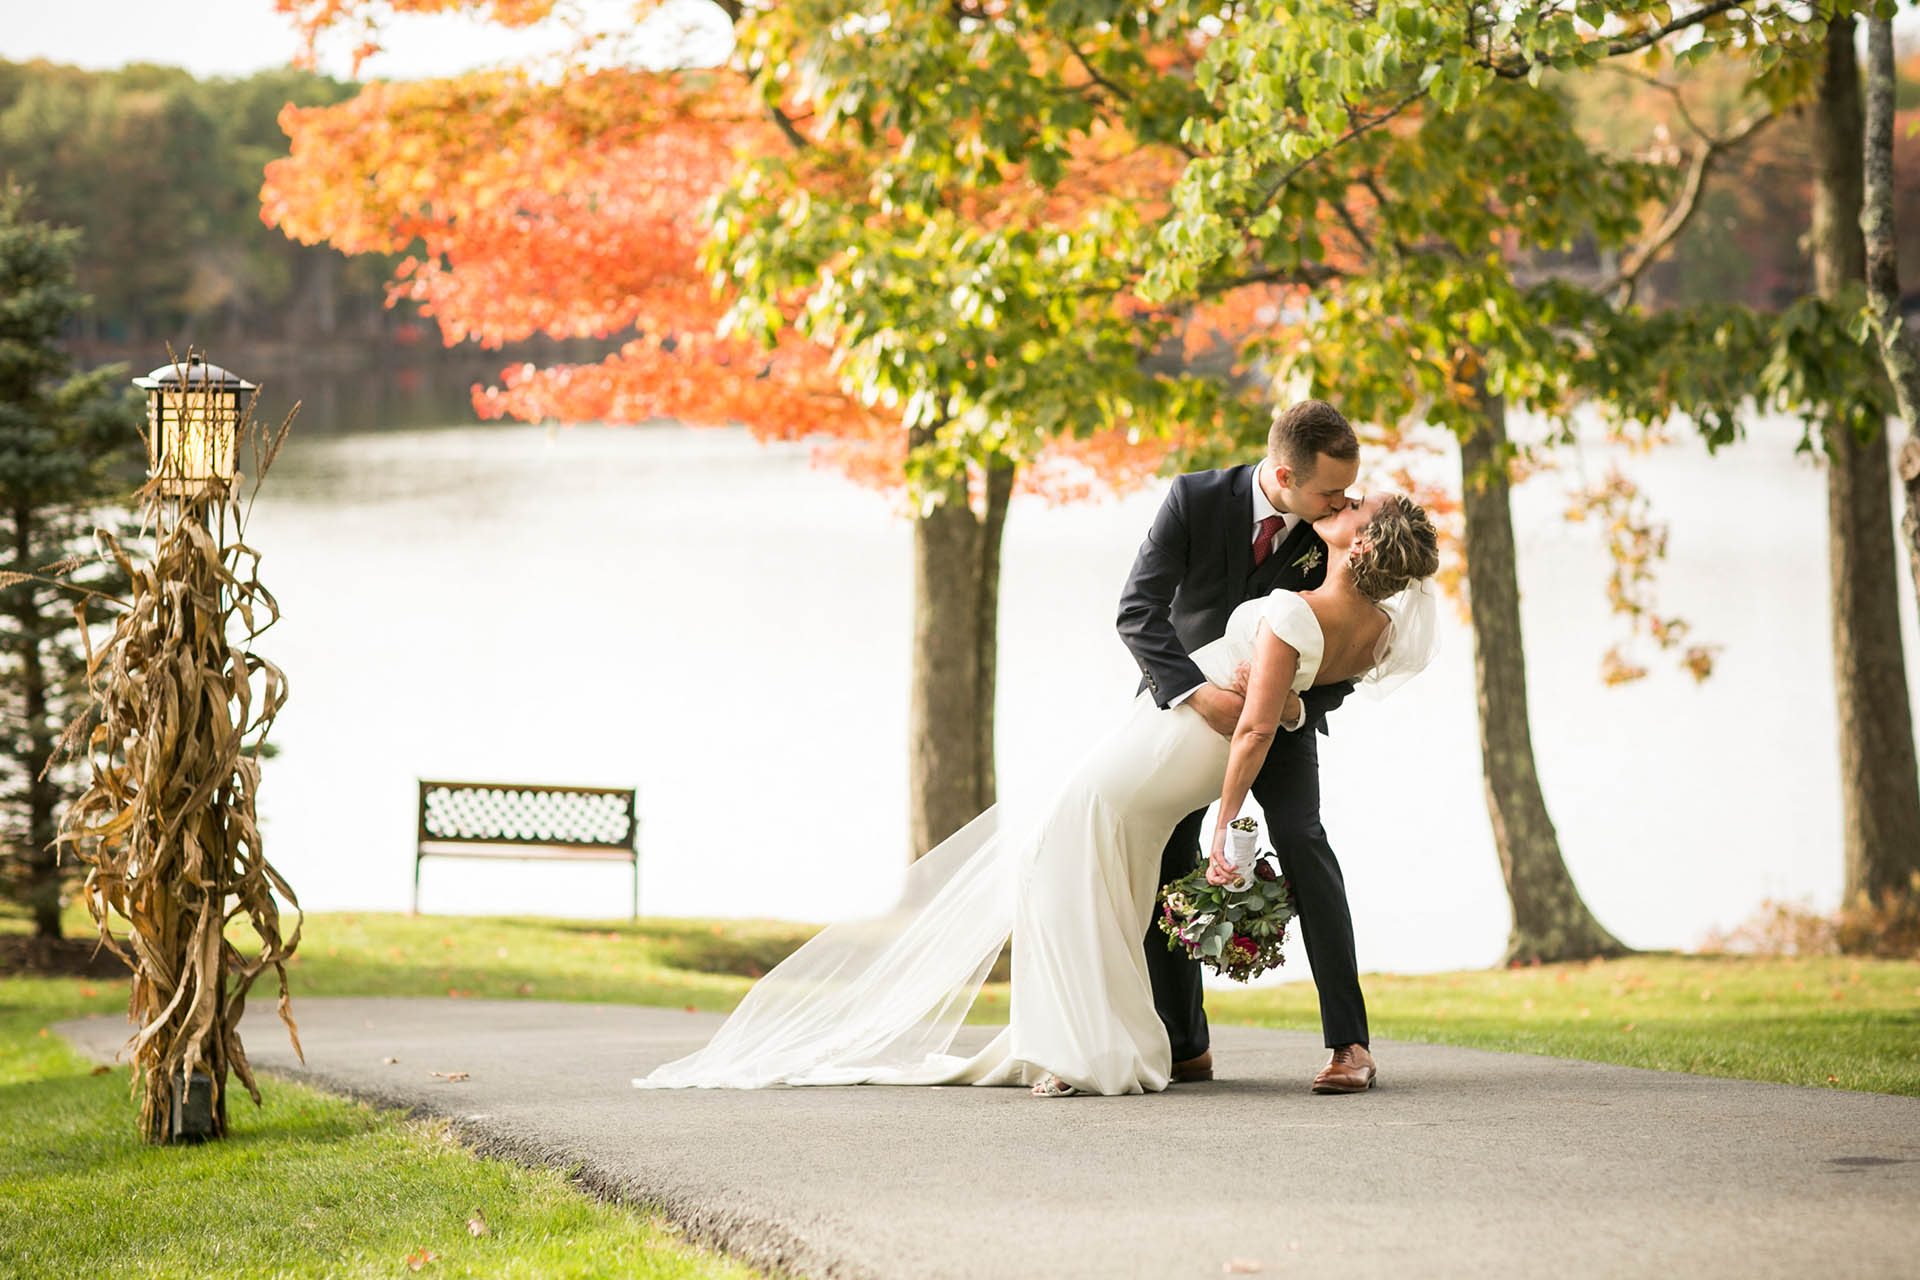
(1242, 851)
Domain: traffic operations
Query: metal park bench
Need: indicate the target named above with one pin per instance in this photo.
(528, 821)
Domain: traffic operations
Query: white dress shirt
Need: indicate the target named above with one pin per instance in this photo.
(1262, 508)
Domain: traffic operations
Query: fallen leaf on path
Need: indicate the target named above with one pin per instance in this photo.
(389, 1061)
(448, 1075)
(458, 993)
(1240, 1266)
(419, 1258)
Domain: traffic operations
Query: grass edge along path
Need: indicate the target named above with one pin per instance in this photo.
(308, 1185)
(1828, 1021)
(1831, 1022)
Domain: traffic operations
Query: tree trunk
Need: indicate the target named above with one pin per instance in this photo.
(1880, 785)
(38, 856)
(1550, 921)
(1897, 350)
(956, 576)
(993, 524)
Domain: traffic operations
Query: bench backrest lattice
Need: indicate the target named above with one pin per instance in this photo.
(528, 821)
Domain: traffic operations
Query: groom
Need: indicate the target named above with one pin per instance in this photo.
(1220, 538)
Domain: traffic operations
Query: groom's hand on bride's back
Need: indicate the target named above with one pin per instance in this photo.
(1220, 708)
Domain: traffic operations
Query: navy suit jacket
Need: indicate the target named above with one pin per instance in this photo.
(1195, 567)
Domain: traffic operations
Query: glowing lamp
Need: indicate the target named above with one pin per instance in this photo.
(194, 411)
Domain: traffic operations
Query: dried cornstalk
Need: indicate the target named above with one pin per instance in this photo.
(167, 827)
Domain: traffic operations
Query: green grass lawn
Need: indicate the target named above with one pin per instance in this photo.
(308, 1185)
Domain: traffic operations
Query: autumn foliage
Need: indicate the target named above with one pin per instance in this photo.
(580, 206)
(572, 210)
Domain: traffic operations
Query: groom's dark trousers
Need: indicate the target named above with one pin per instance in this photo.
(1194, 567)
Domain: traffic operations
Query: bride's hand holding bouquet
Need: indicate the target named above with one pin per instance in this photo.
(1237, 925)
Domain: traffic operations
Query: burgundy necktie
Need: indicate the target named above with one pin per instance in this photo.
(1263, 540)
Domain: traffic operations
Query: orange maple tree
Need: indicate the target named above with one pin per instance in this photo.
(577, 206)
(572, 210)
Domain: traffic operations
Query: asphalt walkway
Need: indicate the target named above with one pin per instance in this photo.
(1463, 1163)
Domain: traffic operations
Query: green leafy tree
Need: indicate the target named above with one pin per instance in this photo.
(958, 219)
(69, 453)
(1432, 138)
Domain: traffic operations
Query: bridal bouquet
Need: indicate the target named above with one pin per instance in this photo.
(1235, 929)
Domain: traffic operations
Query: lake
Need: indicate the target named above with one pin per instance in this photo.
(726, 626)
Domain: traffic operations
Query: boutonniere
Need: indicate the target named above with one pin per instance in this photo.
(1307, 561)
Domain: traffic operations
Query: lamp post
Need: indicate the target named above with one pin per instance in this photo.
(194, 412)
(181, 704)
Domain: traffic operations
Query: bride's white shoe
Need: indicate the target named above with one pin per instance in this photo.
(1052, 1086)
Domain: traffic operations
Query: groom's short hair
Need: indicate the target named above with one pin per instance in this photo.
(1305, 430)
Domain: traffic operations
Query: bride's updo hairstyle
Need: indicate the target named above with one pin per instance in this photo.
(1399, 547)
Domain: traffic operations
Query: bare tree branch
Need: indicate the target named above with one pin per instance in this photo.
(794, 137)
(1671, 90)
(1353, 227)
(1365, 126)
(1513, 68)
(1688, 203)
(1117, 92)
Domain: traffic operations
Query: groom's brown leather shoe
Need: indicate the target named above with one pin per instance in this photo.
(1194, 1069)
(1349, 1070)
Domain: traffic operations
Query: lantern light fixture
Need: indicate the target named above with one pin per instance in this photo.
(194, 411)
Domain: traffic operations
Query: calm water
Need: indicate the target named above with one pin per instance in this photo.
(727, 627)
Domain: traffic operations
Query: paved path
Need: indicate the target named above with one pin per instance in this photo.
(1463, 1163)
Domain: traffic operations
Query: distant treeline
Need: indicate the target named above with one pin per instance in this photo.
(162, 172)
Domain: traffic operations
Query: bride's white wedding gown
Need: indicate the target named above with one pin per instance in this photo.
(878, 1001)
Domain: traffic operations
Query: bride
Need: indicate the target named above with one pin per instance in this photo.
(878, 1001)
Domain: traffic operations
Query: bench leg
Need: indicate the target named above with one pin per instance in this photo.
(416, 884)
(636, 888)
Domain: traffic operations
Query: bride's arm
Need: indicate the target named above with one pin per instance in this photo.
(1274, 664)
